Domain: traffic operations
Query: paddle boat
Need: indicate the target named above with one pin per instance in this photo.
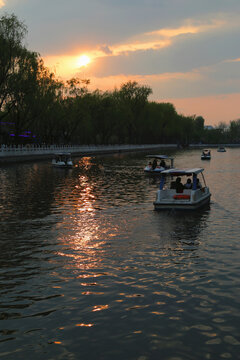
(221, 149)
(172, 194)
(206, 154)
(153, 167)
(62, 160)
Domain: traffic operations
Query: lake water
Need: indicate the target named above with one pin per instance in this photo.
(90, 271)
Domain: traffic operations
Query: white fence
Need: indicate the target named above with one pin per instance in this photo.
(29, 150)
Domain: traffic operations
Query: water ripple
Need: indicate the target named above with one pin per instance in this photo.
(88, 267)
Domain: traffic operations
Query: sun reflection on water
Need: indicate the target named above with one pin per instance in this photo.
(84, 231)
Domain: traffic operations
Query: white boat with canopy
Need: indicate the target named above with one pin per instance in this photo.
(206, 154)
(158, 163)
(221, 149)
(172, 194)
(62, 160)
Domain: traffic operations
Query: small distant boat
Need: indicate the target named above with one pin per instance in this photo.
(221, 149)
(153, 167)
(206, 154)
(175, 195)
(62, 160)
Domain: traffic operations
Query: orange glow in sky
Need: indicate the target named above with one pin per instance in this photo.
(83, 60)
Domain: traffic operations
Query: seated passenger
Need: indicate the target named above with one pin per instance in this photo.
(154, 164)
(199, 185)
(162, 163)
(188, 184)
(179, 185)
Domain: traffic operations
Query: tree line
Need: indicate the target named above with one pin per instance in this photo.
(36, 107)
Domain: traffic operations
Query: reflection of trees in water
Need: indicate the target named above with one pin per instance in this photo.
(30, 191)
(27, 194)
(27, 191)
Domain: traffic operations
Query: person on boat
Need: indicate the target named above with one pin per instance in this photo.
(188, 184)
(179, 185)
(162, 163)
(199, 185)
(154, 164)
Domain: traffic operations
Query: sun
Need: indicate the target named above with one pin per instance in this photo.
(83, 60)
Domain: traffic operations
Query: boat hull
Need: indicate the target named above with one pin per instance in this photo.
(205, 157)
(198, 205)
(157, 170)
(182, 204)
(62, 160)
(62, 164)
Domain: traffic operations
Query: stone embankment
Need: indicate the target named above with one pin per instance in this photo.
(28, 153)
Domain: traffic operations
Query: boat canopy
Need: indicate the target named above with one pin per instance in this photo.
(182, 172)
(159, 157)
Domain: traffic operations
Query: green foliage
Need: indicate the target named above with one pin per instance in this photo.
(133, 98)
(12, 32)
(234, 131)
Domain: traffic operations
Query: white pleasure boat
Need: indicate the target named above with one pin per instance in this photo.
(206, 154)
(62, 160)
(158, 163)
(221, 149)
(172, 194)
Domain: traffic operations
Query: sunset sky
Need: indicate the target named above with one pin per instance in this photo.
(187, 51)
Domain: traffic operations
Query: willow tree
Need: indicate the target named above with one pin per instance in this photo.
(22, 85)
(134, 98)
(234, 131)
(12, 33)
(158, 123)
(45, 105)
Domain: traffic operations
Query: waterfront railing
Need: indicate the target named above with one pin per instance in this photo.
(37, 151)
(74, 149)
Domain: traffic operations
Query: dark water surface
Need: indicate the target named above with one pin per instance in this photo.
(88, 270)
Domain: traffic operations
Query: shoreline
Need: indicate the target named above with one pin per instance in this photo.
(23, 154)
(13, 155)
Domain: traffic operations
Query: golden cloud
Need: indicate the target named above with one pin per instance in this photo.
(140, 46)
(155, 40)
(233, 60)
(2, 3)
(161, 38)
(188, 28)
